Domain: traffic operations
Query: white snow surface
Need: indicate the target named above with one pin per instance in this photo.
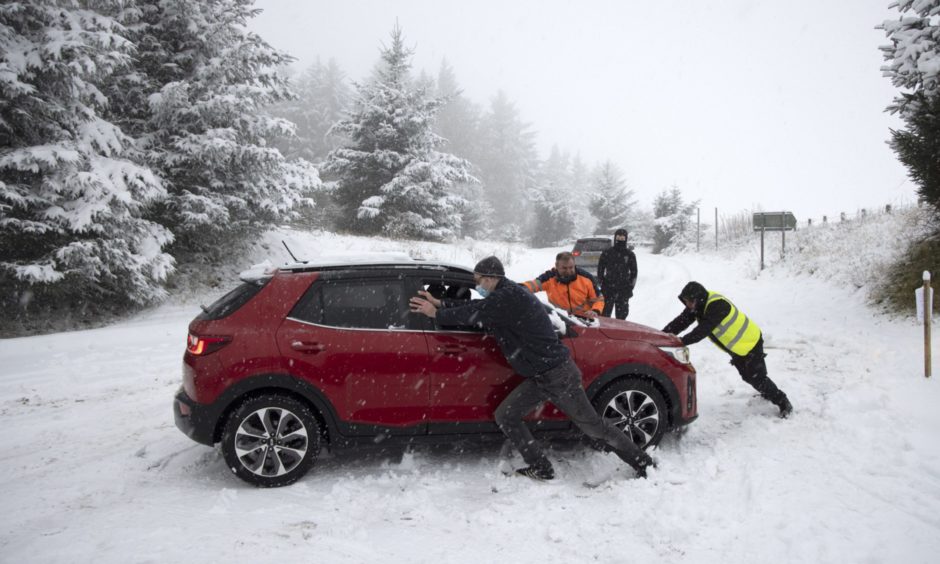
(95, 470)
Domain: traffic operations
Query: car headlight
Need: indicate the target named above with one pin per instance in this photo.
(681, 354)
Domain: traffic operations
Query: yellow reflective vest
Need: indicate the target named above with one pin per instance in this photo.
(736, 332)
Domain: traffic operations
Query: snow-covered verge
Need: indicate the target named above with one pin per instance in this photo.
(94, 469)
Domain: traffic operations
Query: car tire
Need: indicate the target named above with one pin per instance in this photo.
(636, 407)
(271, 440)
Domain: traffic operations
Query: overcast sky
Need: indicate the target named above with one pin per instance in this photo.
(743, 104)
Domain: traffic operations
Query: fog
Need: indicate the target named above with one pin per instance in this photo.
(741, 104)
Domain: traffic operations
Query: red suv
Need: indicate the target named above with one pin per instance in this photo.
(329, 354)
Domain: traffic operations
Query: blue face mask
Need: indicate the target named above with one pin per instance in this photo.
(482, 291)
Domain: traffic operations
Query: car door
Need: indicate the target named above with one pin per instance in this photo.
(469, 375)
(354, 339)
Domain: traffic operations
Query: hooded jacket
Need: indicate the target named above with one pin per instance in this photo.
(708, 318)
(616, 268)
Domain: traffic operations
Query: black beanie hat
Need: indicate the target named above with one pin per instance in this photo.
(620, 232)
(490, 266)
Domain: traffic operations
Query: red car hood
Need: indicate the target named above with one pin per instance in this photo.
(621, 330)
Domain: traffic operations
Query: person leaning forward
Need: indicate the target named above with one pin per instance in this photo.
(733, 332)
(520, 324)
(568, 289)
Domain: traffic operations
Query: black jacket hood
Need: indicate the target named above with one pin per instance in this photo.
(694, 291)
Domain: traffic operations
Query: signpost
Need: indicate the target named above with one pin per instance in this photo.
(774, 221)
(923, 299)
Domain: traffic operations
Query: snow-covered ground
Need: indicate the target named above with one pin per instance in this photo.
(93, 468)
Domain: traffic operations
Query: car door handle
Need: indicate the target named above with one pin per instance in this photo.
(451, 349)
(307, 346)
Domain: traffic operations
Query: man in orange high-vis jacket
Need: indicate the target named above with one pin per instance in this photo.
(568, 289)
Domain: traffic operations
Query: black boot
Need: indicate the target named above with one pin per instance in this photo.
(537, 472)
(786, 408)
(639, 462)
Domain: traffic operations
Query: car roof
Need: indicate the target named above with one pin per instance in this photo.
(594, 239)
(371, 261)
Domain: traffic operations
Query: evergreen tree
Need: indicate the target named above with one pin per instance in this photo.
(551, 201)
(611, 201)
(391, 179)
(72, 194)
(914, 64)
(458, 122)
(581, 196)
(322, 98)
(672, 223)
(196, 102)
(508, 163)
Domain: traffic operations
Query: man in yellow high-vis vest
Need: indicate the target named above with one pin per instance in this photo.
(733, 332)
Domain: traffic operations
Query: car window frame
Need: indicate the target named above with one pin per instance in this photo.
(409, 323)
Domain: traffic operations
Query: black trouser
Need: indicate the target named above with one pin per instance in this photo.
(621, 300)
(753, 370)
(562, 386)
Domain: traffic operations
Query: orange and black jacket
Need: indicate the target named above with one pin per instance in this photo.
(578, 296)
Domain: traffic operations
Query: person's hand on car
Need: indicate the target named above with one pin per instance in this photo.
(422, 305)
(429, 297)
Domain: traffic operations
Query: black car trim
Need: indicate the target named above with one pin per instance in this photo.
(207, 426)
(340, 328)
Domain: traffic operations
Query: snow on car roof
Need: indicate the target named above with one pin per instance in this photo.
(337, 260)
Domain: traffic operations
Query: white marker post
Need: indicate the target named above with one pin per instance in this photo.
(923, 299)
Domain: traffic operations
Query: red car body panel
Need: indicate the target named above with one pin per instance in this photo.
(403, 380)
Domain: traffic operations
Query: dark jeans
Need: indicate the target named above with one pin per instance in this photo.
(753, 370)
(562, 386)
(621, 301)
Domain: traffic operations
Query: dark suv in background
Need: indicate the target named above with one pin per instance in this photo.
(587, 252)
(311, 355)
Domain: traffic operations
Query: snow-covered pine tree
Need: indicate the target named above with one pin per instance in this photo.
(672, 223)
(611, 202)
(322, 98)
(551, 201)
(457, 122)
(196, 101)
(508, 163)
(72, 193)
(914, 65)
(581, 196)
(391, 179)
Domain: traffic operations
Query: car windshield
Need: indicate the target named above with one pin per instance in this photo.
(592, 245)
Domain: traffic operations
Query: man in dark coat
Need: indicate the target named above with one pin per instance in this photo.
(521, 326)
(733, 332)
(617, 272)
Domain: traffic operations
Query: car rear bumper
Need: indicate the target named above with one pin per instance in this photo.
(193, 419)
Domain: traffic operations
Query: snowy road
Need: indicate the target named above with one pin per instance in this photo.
(93, 468)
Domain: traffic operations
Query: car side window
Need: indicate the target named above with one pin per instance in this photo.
(356, 304)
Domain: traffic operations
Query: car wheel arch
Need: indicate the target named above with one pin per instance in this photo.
(642, 371)
(276, 384)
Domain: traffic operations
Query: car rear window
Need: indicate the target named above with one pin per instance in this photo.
(232, 301)
(592, 245)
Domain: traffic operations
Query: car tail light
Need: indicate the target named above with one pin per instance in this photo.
(575, 253)
(199, 346)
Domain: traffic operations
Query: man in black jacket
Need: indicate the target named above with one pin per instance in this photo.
(733, 332)
(617, 272)
(521, 326)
